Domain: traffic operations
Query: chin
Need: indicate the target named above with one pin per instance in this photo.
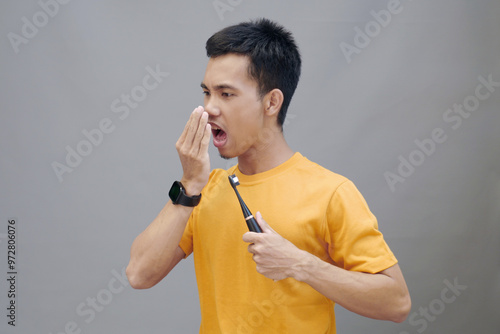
(226, 154)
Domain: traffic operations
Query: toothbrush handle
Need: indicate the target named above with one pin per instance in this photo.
(252, 224)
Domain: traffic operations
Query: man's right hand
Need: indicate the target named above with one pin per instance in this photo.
(192, 148)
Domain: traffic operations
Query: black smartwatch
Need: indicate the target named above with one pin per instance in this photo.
(178, 195)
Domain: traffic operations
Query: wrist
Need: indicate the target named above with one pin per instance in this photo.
(192, 188)
(178, 195)
(305, 266)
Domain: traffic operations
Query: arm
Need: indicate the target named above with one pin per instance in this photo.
(156, 250)
(383, 295)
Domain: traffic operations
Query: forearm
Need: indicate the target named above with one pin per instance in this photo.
(154, 250)
(379, 296)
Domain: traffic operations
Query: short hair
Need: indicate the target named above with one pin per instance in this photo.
(274, 56)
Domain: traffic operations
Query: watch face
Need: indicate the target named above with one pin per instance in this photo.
(174, 191)
(178, 196)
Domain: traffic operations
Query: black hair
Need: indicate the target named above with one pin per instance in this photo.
(274, 56)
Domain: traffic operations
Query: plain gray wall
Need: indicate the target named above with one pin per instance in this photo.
(381, 107)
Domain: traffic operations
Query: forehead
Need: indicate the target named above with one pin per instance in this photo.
(230, 69)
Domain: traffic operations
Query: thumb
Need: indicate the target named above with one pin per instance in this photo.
(263, 224)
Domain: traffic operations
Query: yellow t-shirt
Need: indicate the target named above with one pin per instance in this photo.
(317, 210)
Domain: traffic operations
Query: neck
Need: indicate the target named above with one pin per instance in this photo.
(270, 154)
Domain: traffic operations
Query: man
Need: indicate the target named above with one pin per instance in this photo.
(320, 243)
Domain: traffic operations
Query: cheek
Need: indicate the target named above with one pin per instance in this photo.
(241, 129)
(246, 118)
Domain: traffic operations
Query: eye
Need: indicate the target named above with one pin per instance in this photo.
(227, 94)
(206, 93)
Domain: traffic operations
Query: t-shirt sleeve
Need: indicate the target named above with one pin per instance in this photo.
(186, 243)
(354, 241)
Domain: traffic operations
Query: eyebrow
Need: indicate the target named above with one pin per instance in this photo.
(218, 87)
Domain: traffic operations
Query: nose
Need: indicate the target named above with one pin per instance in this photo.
(211, 106)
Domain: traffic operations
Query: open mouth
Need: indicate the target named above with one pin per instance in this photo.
(220, 136)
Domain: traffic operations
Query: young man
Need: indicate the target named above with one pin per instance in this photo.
(320, 243)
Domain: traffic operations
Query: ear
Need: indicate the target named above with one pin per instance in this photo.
(273, 101)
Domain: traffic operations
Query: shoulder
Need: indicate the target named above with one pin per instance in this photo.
(217, 176)
(320, 176)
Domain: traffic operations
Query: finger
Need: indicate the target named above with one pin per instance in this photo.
(201, 133)
(263, 224)
(193, 126)
(250, 237)
(250, 249)
(206, 138)
(182, 138)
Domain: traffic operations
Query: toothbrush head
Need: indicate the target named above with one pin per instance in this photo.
(233, 179)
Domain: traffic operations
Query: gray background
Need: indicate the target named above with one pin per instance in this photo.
(357, 115)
